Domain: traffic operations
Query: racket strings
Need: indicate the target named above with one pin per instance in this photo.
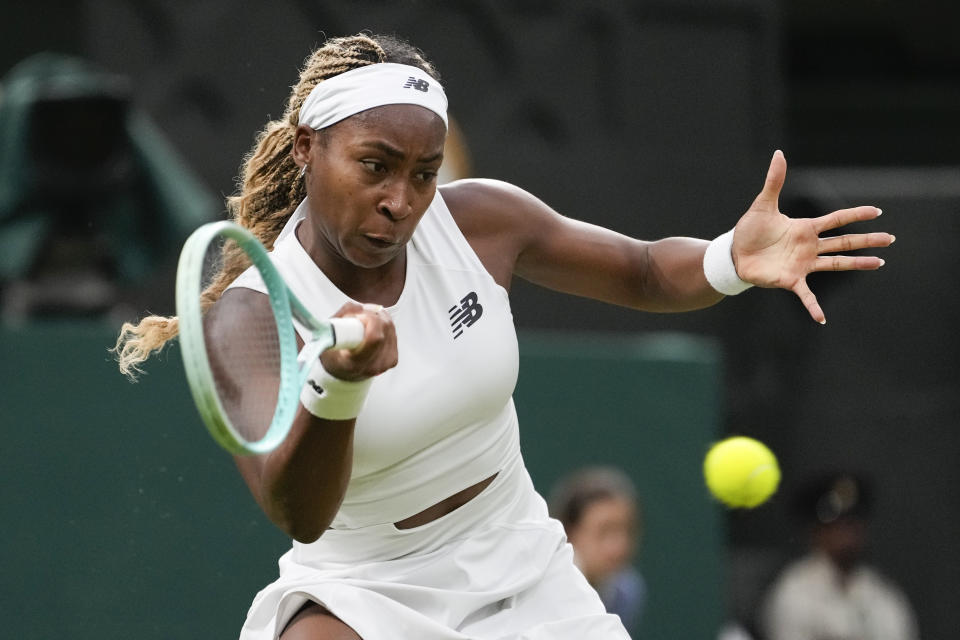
(246, 371)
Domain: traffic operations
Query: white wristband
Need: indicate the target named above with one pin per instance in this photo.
(332, 398)
(719, 268)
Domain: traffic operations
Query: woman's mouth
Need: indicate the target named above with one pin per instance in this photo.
(380, 242)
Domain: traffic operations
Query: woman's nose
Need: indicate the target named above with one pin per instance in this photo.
(395, 202)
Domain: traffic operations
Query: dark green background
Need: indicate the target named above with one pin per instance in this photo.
(122, 518)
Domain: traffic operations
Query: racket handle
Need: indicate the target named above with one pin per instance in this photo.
(347, 332)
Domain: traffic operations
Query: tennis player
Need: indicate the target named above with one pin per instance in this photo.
(401, 482)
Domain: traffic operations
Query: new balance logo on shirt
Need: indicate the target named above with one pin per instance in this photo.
(465, 314)
(419, 85)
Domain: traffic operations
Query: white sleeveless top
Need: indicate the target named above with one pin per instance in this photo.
(443, 419)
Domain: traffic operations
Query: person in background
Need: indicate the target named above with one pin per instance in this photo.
(601, 515)
(831, 593)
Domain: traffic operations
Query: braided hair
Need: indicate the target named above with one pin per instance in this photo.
(269, 186)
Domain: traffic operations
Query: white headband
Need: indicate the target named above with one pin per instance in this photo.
(374, 85)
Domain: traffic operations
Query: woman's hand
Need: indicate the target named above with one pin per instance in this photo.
(773, 250)
(376, 354)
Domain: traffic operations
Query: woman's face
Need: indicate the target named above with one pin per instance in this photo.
(370, 178)
(604, 538)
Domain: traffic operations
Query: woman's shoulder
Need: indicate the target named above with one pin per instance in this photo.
(483, 207)
(497, 219)
(471, 195)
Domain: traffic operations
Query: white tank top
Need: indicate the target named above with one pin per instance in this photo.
(443, 419)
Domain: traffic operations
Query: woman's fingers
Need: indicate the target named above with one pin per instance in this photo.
(843, 217)
(376, 354)
(379, 348)
(776, 175)
(852, 242)
(831, 263)
(848, 263)
(809, 301)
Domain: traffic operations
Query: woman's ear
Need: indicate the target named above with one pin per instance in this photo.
(303, 141)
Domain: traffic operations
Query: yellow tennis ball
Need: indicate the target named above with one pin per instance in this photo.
(741, 472)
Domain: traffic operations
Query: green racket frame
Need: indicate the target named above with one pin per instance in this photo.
(294, 367)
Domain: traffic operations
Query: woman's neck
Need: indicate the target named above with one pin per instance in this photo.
(377, 285)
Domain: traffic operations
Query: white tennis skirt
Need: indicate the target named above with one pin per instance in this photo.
(497, 568)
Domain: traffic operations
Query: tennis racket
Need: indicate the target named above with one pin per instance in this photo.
(262, 352)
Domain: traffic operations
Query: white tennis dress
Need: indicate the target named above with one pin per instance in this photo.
(442, 420)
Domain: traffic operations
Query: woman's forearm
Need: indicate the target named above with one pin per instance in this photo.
(300, 485)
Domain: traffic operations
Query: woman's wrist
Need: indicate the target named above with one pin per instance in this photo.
(719, 268)
(331, 398)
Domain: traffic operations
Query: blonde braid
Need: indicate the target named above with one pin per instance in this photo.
(271, 189)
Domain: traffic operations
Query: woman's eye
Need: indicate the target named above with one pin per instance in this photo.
(427, 176)
(374, 166)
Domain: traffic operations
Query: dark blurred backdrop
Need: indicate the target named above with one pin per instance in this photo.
(658, 118)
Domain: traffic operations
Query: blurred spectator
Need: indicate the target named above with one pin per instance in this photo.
(92, 199)
(832, 593)
(599, 510)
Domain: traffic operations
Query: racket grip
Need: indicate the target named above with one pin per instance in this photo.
(347, 332)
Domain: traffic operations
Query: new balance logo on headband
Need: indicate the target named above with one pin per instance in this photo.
(465, 314)
(419, 85)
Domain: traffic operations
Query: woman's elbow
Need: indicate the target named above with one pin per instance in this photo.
(306, 535)
(303, 530)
